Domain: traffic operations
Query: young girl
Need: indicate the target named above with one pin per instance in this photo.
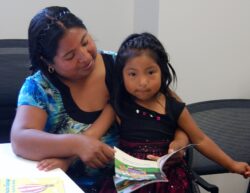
(149, 113)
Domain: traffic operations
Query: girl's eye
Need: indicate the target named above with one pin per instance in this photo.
(131, 74)
(150, 72)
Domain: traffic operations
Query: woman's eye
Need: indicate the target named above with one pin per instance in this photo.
(70, 56)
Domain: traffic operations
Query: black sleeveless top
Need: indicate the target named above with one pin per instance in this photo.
(140, 123)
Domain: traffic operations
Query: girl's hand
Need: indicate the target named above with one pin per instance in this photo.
(174, 159)
(241, 168)
(247, 173)
(175, 145)
(53, 163)
(153, 157)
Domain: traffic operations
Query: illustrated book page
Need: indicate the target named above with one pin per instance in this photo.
(31, 185)
(132, 173)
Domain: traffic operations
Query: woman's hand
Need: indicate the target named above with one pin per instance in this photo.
(93, 152)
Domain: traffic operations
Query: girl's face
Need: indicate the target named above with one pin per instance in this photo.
(76, 54)
(142, 77)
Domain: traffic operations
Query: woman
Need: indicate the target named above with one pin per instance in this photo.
(65, 94)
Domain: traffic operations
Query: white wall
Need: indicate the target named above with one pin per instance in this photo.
(100, 18)
(208, 43)
(146, 16)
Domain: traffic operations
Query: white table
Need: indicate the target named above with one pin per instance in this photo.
(14, 166)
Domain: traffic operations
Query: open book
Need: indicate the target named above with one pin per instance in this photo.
(132, 173)
(31, 185)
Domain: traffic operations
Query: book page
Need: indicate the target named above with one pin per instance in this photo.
(131, 168)
(162, 160)
(132, 173)
(132, 161)
(31, 185)
(127, 186)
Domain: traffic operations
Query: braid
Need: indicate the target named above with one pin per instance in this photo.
(136, 44)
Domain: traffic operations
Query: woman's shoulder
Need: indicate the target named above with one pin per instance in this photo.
(109, 63)
(37, 78)
(34, 78)
(33, 91)
(37, 81)
(108, 53)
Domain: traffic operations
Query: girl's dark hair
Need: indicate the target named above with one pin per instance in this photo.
(45, 31)
(136, 45)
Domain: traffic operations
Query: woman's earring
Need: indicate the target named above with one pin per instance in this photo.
(51, 69)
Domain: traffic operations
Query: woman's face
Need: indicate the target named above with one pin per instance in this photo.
(76, 54)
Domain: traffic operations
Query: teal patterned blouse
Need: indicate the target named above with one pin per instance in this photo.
(64, 116)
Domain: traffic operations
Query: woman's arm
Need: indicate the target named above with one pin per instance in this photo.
(30, 141)
(102, 124)
(97, 130)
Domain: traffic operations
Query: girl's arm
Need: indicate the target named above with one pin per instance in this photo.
(180, 140)
(208, 147)
(102, 124)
